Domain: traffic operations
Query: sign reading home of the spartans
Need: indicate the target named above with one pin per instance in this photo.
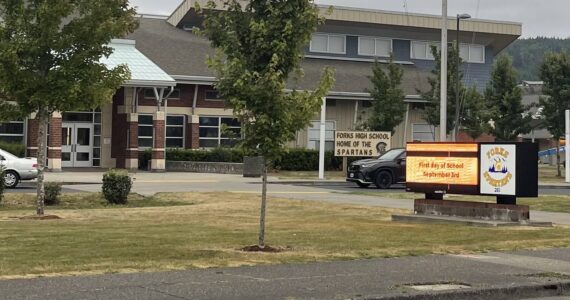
(361, 143)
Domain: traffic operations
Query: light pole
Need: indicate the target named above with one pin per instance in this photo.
(443, 78)
(457, 83)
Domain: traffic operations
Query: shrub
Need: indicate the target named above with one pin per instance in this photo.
(52, 192)
(144, 159)
(117, 186)
(17, 149)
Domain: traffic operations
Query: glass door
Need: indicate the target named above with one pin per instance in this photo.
(67, 138)
(76, 145)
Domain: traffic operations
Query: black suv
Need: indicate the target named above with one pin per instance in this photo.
(388, 169)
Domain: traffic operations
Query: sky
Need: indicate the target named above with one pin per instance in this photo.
(539, 17)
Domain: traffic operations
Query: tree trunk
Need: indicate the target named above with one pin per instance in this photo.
(558, 158)
(43, 119)
(263, 206)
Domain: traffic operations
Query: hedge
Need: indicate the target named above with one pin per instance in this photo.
(292, 160)
(17, 149)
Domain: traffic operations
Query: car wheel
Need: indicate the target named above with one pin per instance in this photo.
(11, 179)
(383, 180)
(363, 185)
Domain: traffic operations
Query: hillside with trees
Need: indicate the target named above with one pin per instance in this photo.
(528, 54)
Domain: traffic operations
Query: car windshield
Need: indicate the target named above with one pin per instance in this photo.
(391, 155)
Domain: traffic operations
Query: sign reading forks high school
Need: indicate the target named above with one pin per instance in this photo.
(501, 169)
(361, 143)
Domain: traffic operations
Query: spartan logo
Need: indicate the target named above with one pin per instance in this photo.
(498, 173)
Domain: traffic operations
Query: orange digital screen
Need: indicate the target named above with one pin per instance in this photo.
(442, 147)
(442, 170)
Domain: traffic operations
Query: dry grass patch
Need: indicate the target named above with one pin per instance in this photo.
(211, 232)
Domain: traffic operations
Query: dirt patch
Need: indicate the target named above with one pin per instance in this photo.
(267, 249)
(41, 218)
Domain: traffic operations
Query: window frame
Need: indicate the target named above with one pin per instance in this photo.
(210, 99)
(145, 137)
(22, 135)
(433, 133)
(328, 35)
(427, 44)
(390, 51)
(183, 126)
(219, 137)
(317, 128)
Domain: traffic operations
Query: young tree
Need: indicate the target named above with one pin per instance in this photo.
(432, 96)
(474, 119)
(49, 59)
(503, 96)
(555, 72)
(388, 107)
(259, 46)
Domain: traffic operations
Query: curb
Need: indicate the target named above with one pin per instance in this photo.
(554, 187)
(498, 293)
(313, 183)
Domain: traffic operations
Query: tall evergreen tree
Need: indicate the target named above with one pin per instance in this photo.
(49, 60)
(388, 107)
(503, 97)
(259, 45)
(555, 72)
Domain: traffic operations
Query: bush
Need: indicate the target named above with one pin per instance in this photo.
(17, 149)
(144, 159)
(229, 155)
(116, 186)
(52, 192)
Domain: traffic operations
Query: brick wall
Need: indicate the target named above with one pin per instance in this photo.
(119, 138)
(464, 137)
(54, 141)
(32, 138)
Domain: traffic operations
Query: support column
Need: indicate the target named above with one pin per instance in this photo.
(54, 143)
(322, 140)
(158, 162)
(32, 137)
(132, 151)
(193, 129)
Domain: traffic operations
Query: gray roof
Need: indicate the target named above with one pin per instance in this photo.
(182, 53)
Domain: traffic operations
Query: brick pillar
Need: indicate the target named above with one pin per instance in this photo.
(132, 151)
(193, 132)
(54, 143)
(32, 138)
(158, 162)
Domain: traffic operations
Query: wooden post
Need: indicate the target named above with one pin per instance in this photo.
(345, 164)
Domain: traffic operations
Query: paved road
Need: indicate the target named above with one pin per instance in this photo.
(333, 280)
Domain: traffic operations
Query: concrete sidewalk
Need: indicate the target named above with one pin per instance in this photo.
(488, 276)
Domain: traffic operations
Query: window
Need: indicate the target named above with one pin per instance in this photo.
(12, 132)
(175, 131)
(148, 93)
(374, 46)
(422, 49)
(315, 135)
(423, 132)
(328, 43)
(145, 131)
(219, 132)
(472, 53)
(213, 95)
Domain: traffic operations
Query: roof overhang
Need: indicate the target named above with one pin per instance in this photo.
(144, 72)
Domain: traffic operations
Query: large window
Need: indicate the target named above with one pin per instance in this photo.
(315, 135)
(145, 131)
(175, 127)
(219, 132)
(472, 53)
(328, 43)
(423, 132)
(374, 46)
(12, 132)
(422, 49)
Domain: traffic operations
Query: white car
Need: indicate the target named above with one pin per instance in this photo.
(17, 169)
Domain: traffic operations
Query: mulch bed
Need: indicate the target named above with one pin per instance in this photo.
(267, 249)
(41, 218)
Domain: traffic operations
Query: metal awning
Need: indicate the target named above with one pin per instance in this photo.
(144, 72)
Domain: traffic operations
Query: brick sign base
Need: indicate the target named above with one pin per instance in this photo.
(475, 210)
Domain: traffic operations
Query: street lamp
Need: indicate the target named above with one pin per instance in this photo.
(457, 102)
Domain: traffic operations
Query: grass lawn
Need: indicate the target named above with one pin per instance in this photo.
(549, 174)
(199, 230)
(553, 203)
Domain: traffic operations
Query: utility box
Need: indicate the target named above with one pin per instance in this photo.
(252, 166)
